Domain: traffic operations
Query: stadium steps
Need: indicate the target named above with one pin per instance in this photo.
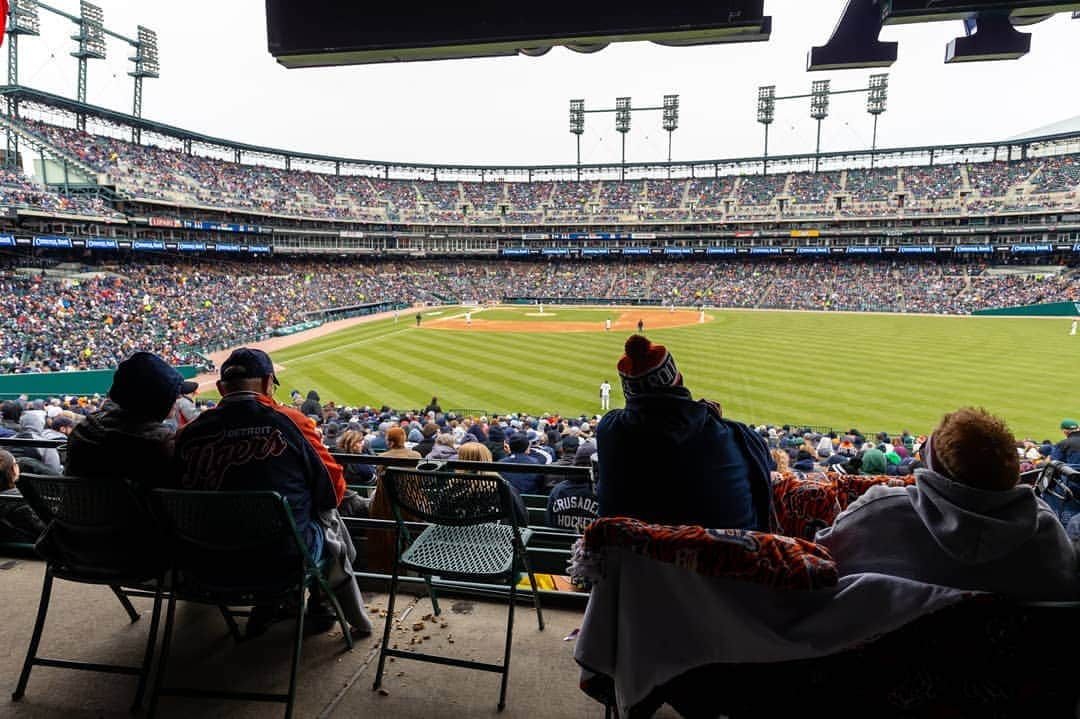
(685, 195)
(843, 181)
(764, 295)
(965, 180)
(40, 143)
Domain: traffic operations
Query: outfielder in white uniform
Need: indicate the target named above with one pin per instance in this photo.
(605, 395)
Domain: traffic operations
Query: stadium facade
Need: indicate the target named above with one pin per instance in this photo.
(186, 192)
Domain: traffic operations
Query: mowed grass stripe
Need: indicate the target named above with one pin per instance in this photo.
(874, 371)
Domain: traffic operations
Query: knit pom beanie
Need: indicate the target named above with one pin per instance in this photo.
(646, 368)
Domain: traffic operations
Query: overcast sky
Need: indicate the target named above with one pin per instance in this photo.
(217, 77)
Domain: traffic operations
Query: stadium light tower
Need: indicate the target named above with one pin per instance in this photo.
(577, 125)
(22, 20)
(875, 105)
(622, 126)
(766, 113)
(819, 110)
(91, 39)
(671, 120)
(146, 65)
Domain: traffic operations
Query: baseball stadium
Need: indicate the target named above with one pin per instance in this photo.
(827, 319)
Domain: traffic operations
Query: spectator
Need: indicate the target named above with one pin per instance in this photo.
(126, 438)
(311, 406)
(572, 504)
(18, 523)
(352, 441)
(527, 482)
(381, 544)
(569, 447)
(32, 426)
(250, 442)
(427, 442)
(496, 443)
(1068, 449)
(873, 462)
(964, 523)
(433, 407)
(443, 449)
(670, 460)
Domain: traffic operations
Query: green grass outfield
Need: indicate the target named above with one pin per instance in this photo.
(875, 372)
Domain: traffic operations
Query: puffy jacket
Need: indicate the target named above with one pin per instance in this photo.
(670, 460)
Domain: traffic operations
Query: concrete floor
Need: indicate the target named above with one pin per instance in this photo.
(86, 622)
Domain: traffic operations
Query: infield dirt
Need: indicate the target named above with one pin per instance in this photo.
(626, 320)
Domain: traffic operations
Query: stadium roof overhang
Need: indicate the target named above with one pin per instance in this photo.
(30, 95)
(328, 32)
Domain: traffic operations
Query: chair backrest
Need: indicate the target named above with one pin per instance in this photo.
(92, 524)
(226, 521)
(99, 505)
(227, 540)
(453, 498)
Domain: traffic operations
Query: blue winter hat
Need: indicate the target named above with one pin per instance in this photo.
(145, 385)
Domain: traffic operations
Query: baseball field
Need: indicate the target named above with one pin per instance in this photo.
(874, 372)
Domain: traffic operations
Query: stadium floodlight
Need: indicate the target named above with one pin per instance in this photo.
(24, 18)
(577, 116)
(766, 104)
(879, 93)
(875, 105)
(622, 126)
(577, 125)
(819, 99)
(91, 39)
(146, 54)
(671, 112)
(91, 35)
(671, 120)
(146, 65)
(819, 110)
(622, 114)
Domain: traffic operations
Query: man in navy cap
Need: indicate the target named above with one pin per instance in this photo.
(126, 437)
(251, 442)
(529, 481)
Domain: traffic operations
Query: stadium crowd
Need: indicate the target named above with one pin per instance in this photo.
(166, 173)
(93, 317)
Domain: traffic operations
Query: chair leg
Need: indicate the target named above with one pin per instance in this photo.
(297, 643)
(132, 614)
(230, 621)
(166, 644)
(532, 583)
(509, 642)
(386, 627)
(148, 655)
(431, 593)
(35, 638)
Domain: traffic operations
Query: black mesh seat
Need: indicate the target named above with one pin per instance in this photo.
(478, 550)
(465, 540)
(240, 549)
(98, 531)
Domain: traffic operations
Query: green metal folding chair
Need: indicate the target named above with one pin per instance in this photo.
(474, 536)
(98, 532)
(237, 549)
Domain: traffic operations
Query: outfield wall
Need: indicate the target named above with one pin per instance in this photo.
(1049, 309)
(57, 384)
